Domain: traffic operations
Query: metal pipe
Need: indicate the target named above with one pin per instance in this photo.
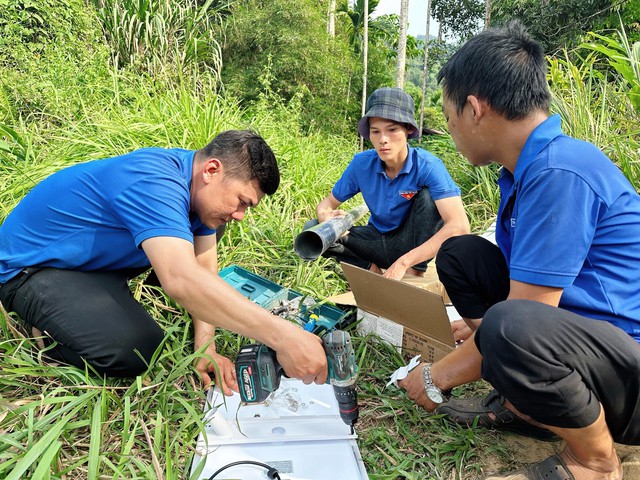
(311, 243)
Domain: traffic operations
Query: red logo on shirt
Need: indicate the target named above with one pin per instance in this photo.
(408, 195)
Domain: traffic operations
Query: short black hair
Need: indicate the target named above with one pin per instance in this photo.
(245, 155)
(505, 67)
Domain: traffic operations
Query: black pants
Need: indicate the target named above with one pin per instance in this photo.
(553, 365)
(92, 317)
(365, 244)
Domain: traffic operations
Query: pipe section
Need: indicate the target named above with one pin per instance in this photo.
(311, 243)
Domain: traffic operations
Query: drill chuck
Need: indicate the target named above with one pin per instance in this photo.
(343, 373)
(347, 403)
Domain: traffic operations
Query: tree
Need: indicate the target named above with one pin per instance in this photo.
(283, 45)
(365, 51)
(402, 43)
(331, 19)
(357, 18)
(561, 24)
(460, 18)
(487, 14)
(425, 70)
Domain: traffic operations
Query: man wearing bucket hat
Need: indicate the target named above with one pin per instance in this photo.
(414, 203)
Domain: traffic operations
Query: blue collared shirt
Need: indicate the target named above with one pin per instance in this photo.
(389, 199)
(569, 218)
(95, 215)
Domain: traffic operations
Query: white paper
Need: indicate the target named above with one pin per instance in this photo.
(402, 372)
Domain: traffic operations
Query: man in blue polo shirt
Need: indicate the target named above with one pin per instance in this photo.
(70, 246)
(414, 203)
(554, 307)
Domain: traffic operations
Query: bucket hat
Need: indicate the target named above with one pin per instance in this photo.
(389, 103)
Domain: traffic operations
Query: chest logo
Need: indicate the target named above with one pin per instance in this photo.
(408, 194)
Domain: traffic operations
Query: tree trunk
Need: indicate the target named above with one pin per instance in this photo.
(425, 71)
(402, 43)
(331, 19)
(365, 54)
(487, 14)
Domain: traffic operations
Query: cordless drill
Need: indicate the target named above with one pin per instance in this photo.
(259, 373)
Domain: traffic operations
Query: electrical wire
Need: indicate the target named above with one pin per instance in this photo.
(272, 472)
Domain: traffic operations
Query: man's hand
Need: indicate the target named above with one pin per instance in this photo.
(301, 355)
(222, 367)
(329, 214)
(461, 331)
(396, 271)
(414, 386)
(328, 208)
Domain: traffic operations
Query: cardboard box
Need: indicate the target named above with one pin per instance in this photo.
(409, 317)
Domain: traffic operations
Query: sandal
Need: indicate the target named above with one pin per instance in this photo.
(464, 411)
(552, 468)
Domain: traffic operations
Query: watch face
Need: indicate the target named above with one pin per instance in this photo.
(434, 395)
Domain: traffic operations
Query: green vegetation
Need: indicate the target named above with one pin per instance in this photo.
(84, 81)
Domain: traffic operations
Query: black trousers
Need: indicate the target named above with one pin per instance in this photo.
(365, 244)
(553, 365)
(91, 316)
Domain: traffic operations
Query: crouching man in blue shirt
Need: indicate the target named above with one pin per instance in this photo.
(555, 307)
(415, 205)
(70, 246)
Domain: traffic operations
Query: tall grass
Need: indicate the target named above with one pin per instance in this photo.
(158, 36)
(624, 57)
(597, 111)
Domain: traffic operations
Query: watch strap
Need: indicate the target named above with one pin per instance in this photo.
(429, 385)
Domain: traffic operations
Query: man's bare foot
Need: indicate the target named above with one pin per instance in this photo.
(375, 269)
(37, 335)
(598, 468)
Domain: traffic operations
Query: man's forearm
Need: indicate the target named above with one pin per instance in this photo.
(211, 300)
(203, 332)
(459, 367)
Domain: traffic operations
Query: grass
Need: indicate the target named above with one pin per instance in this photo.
(58, 422)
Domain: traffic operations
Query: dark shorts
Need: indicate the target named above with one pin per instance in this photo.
(553, 365)
(88, 317)
(365, 245)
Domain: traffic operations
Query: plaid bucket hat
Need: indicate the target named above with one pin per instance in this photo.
(389, 103)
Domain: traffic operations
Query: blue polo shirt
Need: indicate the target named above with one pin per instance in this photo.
(95, 215)
(569, 218)
(389, 200)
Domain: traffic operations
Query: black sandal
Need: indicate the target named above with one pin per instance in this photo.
(552, 468)
(464, 411)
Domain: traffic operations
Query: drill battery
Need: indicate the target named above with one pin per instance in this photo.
(258, 373)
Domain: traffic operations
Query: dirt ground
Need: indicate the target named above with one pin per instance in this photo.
(524, 451)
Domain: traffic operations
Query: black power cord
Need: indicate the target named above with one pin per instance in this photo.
(272, 472)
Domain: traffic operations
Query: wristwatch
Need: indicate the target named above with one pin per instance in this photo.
(434, 393)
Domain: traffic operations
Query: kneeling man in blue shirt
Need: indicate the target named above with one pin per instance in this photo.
(70, 246)
(554, 308)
